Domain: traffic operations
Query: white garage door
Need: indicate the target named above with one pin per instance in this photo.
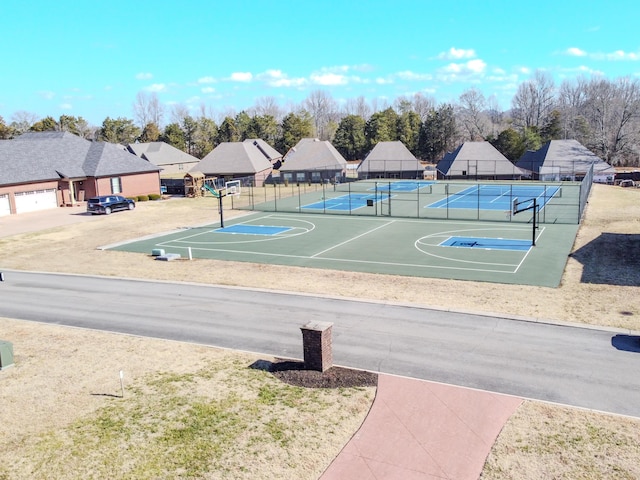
(36, 200)
(4, 205)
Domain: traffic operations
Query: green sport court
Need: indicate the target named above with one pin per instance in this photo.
(450, 249)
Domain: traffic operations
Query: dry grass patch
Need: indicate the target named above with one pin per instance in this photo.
(188, 411)
(547, 441)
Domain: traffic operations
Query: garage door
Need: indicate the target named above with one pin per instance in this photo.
(36, 200)
(4, 205)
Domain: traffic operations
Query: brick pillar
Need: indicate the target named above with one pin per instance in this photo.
(316, 341)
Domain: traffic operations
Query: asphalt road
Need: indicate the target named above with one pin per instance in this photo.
(591, 368)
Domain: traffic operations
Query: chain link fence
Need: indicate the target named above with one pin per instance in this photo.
(559, 202)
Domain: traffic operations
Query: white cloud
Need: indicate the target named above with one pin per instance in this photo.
(278, 79)
(47, 94)
(208, 90)
(457, 54)
(617, 55)
(622, 55)
(412, 76)
(476, 66)
(241, 77)
(66, 106)
(144, 76)
(156, 87)
(470, 67)
(383, 81)
(206, 80)
(576, 52)
(328, 79)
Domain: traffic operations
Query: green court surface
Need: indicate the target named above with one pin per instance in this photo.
(464, 250)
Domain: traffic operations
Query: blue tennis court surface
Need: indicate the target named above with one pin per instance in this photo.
(487, 243)
(496, 197)
(401, 186)
(253, 229)
(344, 203)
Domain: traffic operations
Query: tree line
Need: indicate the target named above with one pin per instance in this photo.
(602, 114)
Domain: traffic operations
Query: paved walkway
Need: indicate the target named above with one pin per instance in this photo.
(423, 430)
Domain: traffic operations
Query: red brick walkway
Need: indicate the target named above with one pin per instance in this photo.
(423, 430)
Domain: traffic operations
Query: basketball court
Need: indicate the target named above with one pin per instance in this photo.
(465, 250)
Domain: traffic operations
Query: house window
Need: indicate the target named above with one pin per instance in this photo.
(464, 173)
(116, 185)
(180, 166)
(300, 176)
(315, 177)
(287, 176)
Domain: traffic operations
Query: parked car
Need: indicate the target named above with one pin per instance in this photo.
(109, 203)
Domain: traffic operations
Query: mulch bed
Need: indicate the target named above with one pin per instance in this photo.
(295, 373)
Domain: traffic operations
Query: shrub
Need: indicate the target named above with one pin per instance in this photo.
(143, 198)
(155, 196)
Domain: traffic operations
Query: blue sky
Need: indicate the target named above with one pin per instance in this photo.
(90, 59)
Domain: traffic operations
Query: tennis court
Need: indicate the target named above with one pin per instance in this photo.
(556, 202)
(497, 197)
(465, 250)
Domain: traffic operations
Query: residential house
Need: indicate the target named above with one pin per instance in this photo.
(41, 170)
(313, 161)
(477, 161)
(251, 160)
(569, 160)
(390, 160)
(172, 160)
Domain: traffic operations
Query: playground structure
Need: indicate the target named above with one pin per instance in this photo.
(194, 184)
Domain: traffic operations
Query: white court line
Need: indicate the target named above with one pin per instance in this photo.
(343, 260)
(353, 238)
(529, 251)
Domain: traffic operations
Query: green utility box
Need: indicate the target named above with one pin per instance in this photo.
(6, 354)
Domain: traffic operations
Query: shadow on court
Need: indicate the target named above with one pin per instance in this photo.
(628, 343)
(611, 259)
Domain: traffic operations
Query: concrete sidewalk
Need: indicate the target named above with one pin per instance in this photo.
(424, 430)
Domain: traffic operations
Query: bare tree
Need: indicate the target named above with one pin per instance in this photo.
(423, 105)
(495, 114)
(22, 120)
(533, 101)
(571, 105)
(267, 106)
(323, 109)
(147, 109)
(472, 116)
(179, 112)
(357, 106)
(613, 111)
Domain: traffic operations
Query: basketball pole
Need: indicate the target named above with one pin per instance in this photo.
(535, 211)
(516, 210)
(221, 210)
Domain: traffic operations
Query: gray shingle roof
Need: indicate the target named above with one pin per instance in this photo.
(482, 156)
(161, 153)
(233, 158)
(313, 154)
(42, 156)
(390, 156)
(567, 156)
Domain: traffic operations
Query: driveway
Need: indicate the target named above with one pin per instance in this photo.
(34, 221)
